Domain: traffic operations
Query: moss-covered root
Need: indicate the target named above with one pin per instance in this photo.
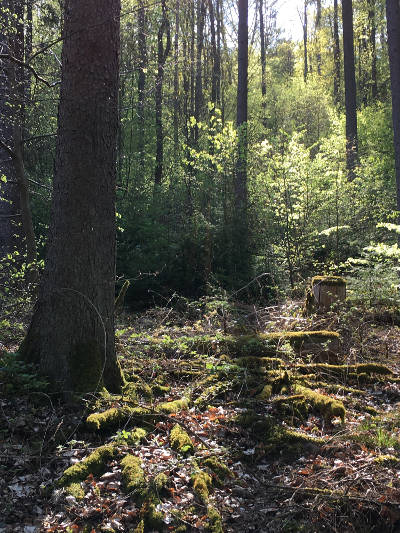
(202, 484)
(327, 406)
(117, 417)
(94, 464)
(173, 407)
(180, 440)
(219, 470)
(214, 520)
(133, 476)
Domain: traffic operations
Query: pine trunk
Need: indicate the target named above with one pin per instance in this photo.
(71, 335)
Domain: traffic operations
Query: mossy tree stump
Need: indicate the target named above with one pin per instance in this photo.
(328, 290)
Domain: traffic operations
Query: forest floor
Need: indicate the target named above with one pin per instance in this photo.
(231, 437)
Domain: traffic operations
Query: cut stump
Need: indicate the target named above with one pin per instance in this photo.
(328, 290)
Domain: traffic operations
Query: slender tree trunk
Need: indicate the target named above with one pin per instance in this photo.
(305, 41)
(372, 45)
(71, 334)
(336, 54)
(176, 81)
(317, 30)
(10, 215)
(141, 83)
(218, 56)
(263, 60)
(162, 55)
(241, 260)
(198, 104)
(215, 78)
(393, 30)
(350, 88)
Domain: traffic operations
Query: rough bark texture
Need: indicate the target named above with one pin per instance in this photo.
(71, 334)
(176, 81)
(350, 88)
(141, 84)
(393, 29)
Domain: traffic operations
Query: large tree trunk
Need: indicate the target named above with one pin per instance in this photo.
(71, 334)
(350, 88)
(176, 81)
(393, 29)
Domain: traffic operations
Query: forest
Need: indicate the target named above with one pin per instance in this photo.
(199, 266)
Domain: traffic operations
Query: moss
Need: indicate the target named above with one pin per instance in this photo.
(257, 363)
(95, 463)
(153, 519)
(294, 405)
(180, 440)
(329, 280)
(160, 390)
(345, 370)
(173, 407)
(327, 406)
(214, 520)
(202, 484)
(85, 362)
(131, 437)
(139, 528)
(387, 460)
(160, 483)
(116, 417)
(210, 393)
(266, 393)
(218, 468)
(75, 490)
(294, 436)
(133, 476)
(129, 391)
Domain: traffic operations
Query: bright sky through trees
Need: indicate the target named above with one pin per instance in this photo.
(289, 19)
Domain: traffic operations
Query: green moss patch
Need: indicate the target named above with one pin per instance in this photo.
(327, 406)
(387, 460)
(95, 464)
(133, 476)
(202, 484)
(329, 280)
(345, 371)
(214, 520)
(173, 407)
(219, 469)
(258, 363)
(180, 440)
(115, 418)
(75, 490)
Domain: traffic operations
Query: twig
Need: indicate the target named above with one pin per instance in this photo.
(29, 67)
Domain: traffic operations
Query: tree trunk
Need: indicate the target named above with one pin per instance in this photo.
(241, 223)
(176, 81)
(141, 83)
(71, 334)
(198, 97)
(350, 88)
(372, 45)
(317, 30)
(162, 55)
(263, 60)
(305, 40)
(336, 54)
(393, 30)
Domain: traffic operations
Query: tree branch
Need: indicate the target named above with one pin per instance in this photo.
(5, 147)
(29, 67)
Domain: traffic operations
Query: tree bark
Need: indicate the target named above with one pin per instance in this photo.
(350, 88)
(263, 60)
(305, 41)
(141, 83)
(198, 96)
(241, 223)
(336, 54)
(317, 29)
(162, 54)
(176, 81)
(393, 31)
(71, 335)
(372, 44)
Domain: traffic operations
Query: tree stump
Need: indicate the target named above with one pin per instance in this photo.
(328, 290)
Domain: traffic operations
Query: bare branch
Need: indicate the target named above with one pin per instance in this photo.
(29, 67)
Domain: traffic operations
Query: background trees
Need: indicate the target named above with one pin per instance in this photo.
(178, 128)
